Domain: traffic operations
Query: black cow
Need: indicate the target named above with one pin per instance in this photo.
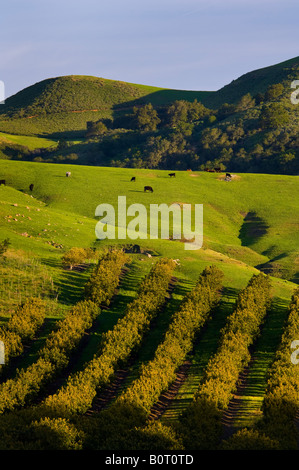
(148, 188)
(2, 182)
(133, 178)
(228, 175)
(171, 175)
(31, 187)
(218, 170)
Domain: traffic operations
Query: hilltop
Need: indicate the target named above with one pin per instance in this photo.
(248, 125)
(256, 82)
(93, 97)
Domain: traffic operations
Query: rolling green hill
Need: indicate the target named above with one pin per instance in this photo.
(67, 103)
(257, 81)
(88, 94)
(105, 132)
(250, 226)
(250, 221)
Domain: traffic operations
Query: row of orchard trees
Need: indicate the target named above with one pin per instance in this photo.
(277, 429)
(65, 338)
(52, 423)
(124, 424)
(201, 425)
(21, 327)
(281, 402)
(77, 395)
(160, 372)
(55, 424)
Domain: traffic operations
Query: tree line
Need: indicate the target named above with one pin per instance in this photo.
(255, 134)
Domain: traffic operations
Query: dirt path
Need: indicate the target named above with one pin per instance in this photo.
(165, 398)
(107, 395)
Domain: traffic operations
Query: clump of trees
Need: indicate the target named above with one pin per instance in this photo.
(4, 247)
(95, 129)
(76, 256)
(183, 135)
(249, 439)
(146, 117)
(273, 116)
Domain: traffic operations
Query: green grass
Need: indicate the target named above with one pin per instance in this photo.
(22, 277)
(60, 212)
(28, 141)
(60, 215)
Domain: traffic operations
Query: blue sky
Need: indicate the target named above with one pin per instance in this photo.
(190, 44)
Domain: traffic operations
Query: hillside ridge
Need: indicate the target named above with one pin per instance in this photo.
(249, 125)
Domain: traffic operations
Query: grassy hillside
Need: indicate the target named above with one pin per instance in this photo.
(66, 103)
(251, 219)
(250, 224)
(257, 81)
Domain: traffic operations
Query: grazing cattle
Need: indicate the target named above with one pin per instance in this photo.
(2, 182)
(68, 173)
(209, 171)
(172, 175)
(133, 178)
(228, 175)
(218, 170)
(31, 187)
(148, 188)
(189, 169)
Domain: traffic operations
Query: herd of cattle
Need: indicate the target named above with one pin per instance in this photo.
(146, 188)
(172, 175)
(149, 188)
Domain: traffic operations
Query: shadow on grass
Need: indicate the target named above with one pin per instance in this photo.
(69, 283)
(253, 228)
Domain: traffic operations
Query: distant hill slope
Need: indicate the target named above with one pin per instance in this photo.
(256, 81)
(88, 93)
(72, 100)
